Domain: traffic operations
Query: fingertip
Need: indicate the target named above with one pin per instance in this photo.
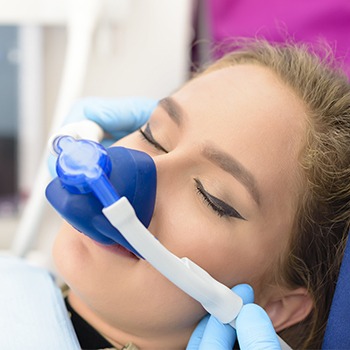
(148, 106)
(245, 291)
(257, 313)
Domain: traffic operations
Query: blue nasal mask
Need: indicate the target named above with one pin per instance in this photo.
(91, 177)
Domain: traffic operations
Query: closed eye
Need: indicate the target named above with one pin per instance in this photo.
(147, 135)
(220, 207)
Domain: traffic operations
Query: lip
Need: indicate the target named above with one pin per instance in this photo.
(117, 249)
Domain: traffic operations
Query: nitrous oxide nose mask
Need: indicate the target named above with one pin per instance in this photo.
(91, 177)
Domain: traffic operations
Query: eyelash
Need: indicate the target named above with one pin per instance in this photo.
(207, 198)
(219, 210)
(147, 136)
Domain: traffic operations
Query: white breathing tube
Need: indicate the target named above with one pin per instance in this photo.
(184, 273)
(215, 297)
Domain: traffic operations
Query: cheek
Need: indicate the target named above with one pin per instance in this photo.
(240, 252)
(133, 290)
(234, 257)
(69, 254)
(231, 254)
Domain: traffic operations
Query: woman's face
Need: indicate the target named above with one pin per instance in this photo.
(226, 149)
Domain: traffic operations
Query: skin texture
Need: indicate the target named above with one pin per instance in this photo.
(247, 112)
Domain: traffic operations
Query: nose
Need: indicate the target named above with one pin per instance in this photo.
(173, 174)
(174, 166)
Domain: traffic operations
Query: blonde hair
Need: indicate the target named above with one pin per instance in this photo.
(322, 220)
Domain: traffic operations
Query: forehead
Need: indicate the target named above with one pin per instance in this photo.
(249, 88)
(249, 112)
(249, 96)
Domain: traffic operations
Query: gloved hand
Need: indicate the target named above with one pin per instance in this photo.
(118, 117)
(254, 329)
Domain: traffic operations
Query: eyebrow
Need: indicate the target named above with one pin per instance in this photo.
(222, 159)
(233, 167)
(173, 109)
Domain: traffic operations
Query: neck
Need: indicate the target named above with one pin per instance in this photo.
(119, 337)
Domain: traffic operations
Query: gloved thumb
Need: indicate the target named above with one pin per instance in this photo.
(212, 334)
(255, 330)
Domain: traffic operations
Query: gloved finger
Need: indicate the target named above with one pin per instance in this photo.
(255, 330)
(245, 291)
(217, 336)
(120, 116)
(197, 334)
(51, 163)
(212, 334)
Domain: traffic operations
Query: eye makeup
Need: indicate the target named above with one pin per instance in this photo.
(220, 207)
(147, 135)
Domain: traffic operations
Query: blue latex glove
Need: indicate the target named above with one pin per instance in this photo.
(253, 327)
(255, 330)
(118, 117)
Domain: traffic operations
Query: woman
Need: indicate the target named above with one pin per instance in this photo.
(253, 185)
